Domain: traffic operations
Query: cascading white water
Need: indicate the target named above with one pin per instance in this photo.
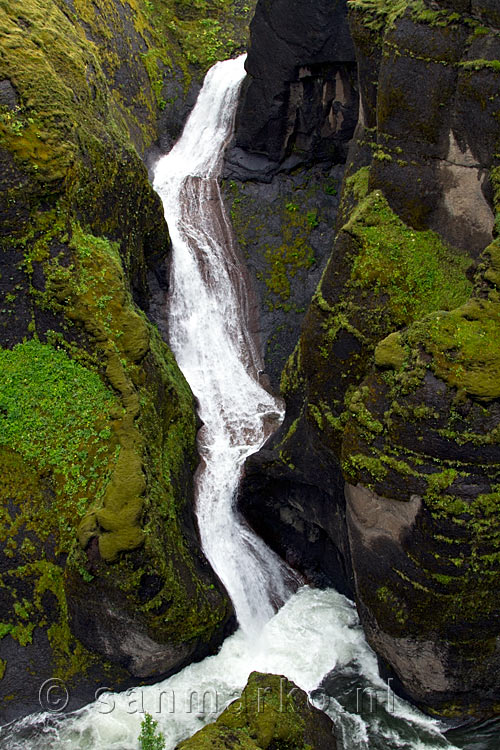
(209, 334)
(315, 631)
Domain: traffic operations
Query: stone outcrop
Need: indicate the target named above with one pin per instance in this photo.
(271, 712)
(299, 102)
(284, 232)
(297, 114)
(415, 435)
(102, 581)
(423, 464)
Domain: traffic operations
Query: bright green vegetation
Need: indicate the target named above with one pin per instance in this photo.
(381, 14)
(295, 253)
(452, 581)
(97, 444)
(57, 415)
(204, 42)
(387, 276)
(390, 352)
(481, 65)
(463, 344)
(357, 184)
(271, 713)
(206, 30)
(93, 292)
(150, 738)
(74, 427)
(415, 269)
(465, 347)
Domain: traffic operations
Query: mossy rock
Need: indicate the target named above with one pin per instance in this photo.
(98, 536)
(423, 435)
(77, 424)
(272, 712)
(383, 275)
(284, 241)
(392, 385)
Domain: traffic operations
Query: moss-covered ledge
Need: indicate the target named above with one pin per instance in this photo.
(383, 275)
(425, 427)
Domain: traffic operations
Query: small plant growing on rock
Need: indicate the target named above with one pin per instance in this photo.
(312, 219)
(150, 738)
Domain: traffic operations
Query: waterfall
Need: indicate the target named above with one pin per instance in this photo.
(315, 631)
(209, 334)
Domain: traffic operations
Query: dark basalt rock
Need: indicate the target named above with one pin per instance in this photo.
(422, 504)
(284, 168)
(8, 95)
(419, 447)
(302, 521)
(299, 103)
(284, 230)
(435, 149)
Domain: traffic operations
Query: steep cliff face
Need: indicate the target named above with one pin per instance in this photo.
(421, 456)
(297, 104)
(284, 231)
(101, 576)
(415, 438)
(284, 169)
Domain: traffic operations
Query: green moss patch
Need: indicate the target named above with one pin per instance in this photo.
(390, 352)
(465, 347)
(272, 713)
(97, 446)
(381, 14)
(416, 270)
(144, 499)
(386, 276)
(57, 415)
(288, 254)
(462, 346)
(434, 395)
(205, 30)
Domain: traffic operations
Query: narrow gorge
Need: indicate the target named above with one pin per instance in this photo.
(249, 375)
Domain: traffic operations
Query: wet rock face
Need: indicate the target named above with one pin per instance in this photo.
(299, 102)
(423, 464)
(284, 169)
(435, 135)
(422, 430)
(8, 96)
(416, 439)
(284, 230)
(301, 521)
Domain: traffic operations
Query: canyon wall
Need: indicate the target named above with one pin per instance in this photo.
(383, 479)
(102, 581)
(284, 168)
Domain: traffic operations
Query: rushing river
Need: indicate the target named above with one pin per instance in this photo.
(313, 632)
